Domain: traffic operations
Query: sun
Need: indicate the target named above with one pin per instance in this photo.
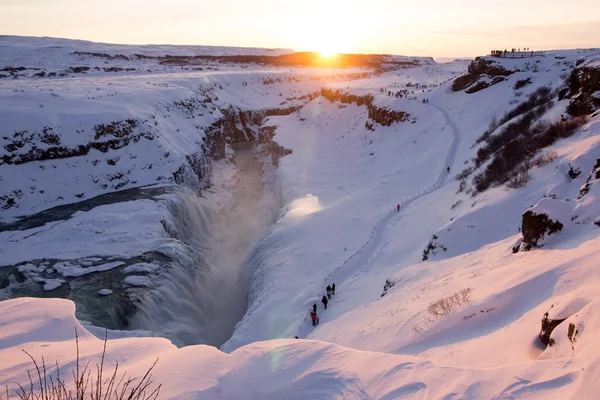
(327, 53)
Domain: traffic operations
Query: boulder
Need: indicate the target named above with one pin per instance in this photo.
(545, 218)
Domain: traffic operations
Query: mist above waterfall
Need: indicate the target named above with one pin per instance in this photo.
(203, 292)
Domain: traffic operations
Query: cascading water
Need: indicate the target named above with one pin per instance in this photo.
(203, 292)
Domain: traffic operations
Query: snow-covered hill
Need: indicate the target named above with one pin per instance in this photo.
(494, 165)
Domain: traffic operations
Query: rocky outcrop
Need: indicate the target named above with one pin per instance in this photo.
(548, 326)
(380, 115)
(536, 226)
(27, 146)
(195, 172)
(267, 147)
(477, 69)
(584, 88)
(386, 117)
(522, 83)
(594, 176)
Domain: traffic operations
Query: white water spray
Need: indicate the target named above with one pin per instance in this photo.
(204, 291)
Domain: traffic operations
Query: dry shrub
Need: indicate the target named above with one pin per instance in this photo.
(545, 159)
(88, 385)
(521, 179)
(444, 306)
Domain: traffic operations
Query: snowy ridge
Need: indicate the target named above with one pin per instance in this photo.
(23, 49)
(286, 368)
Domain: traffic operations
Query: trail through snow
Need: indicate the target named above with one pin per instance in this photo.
(355, 262)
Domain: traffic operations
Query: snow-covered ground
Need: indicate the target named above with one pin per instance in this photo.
(338, 224)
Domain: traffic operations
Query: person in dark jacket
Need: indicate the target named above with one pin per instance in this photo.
(324, 301)
(315, 307)
(333, 289)
(328, 292)
(398, 207)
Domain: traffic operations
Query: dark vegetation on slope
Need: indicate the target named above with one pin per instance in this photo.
(540, 97)
(512, 149)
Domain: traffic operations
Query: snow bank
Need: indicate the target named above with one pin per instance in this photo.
(294, 369)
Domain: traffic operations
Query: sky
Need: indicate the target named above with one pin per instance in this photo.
(438, 28)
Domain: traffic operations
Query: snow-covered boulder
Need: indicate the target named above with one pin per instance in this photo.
(137, 280)
(575, 333)
(545, 218)
(51, 284)
(104, 292)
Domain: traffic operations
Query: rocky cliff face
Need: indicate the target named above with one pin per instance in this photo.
(380, 115)
(481, 74)
(584, 87)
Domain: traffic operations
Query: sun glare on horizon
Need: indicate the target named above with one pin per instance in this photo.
(327, 53)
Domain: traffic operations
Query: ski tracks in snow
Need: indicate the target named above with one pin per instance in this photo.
(362, 257)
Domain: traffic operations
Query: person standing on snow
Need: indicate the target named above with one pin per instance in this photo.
(324, 301)
(328, 292)
(315, 307)
(314, 318)
(333, 289)
(398, 207)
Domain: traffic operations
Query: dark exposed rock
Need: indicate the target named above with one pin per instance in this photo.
(385, 116)
(381, 115)
(480, 85)
(522, 83)
(583, 83)
(269, 147)
(536, 226)
(78, 70)
(594, 175)
(119, 129)
(123, 131)
(573, 172)
(548, 326)
(476, 70)
(432, 248)
(102, 55)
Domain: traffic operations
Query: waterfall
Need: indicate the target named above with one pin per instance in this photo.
(202, 292)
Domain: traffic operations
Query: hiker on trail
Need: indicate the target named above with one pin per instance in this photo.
(398, 207)
(333, 289)
(296, 337)
(314, 318)
(328, 292)
(315, 307)
(324, 301)
(448, 169)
